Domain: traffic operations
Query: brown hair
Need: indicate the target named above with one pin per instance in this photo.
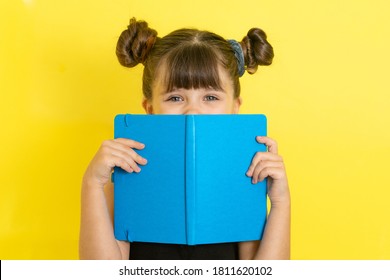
(189, 58)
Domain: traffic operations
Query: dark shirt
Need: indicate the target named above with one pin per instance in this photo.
(155, 251)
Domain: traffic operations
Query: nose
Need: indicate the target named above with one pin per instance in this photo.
(192, 109)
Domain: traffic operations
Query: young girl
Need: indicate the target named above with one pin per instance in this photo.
(186, 72)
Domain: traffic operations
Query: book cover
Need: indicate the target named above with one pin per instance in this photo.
(194, 189)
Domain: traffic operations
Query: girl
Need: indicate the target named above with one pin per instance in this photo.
(186, 72)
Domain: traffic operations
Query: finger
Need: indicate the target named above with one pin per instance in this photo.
(130, 152)
(115, 161)
(124, 165)
(120, 146)
(258, 172)
(272, 172)
(262, 156)
(130, 143)
(127, 159)
(271, 144)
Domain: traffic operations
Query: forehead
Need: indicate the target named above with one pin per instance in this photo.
(164, 83)
(191, 66)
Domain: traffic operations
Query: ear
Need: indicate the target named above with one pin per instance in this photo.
(147, 106)
(236, 105)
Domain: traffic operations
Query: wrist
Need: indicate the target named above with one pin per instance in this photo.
(89, 183)
(284, 202)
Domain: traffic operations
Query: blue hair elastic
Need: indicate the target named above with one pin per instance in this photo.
(238, 53)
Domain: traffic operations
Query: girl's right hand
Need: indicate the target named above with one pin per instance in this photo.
(118, 152)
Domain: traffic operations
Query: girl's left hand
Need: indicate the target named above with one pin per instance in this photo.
(270, 164)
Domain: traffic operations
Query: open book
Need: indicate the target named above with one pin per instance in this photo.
(194, 189)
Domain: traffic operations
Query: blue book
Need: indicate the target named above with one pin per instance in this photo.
(194, 188)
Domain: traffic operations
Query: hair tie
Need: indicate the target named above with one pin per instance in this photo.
(238, 53)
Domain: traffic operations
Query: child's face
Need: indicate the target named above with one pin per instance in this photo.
(194, 101)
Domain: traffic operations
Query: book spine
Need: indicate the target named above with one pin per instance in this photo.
(190, 179)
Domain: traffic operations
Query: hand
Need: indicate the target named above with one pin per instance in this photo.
(270, 164)
(118, 152)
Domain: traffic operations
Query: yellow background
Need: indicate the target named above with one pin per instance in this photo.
(326, 97)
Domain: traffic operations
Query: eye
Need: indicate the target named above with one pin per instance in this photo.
(175, 98)
(210, 98)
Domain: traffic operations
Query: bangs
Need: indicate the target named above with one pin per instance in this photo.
(193, 66)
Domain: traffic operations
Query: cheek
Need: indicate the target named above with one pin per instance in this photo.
(229, 104)
(167, 108)
(222, 108)
(236, 105)
(231, 107)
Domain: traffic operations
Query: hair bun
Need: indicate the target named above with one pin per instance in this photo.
(257, 50)
(134, 43)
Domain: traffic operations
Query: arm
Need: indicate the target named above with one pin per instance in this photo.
(275, 243)
(97, 240)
